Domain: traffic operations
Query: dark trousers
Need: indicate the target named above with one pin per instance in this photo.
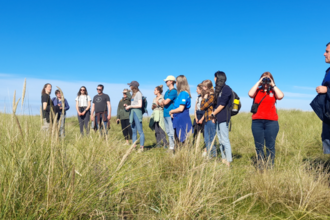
(160, 135)
(83, 122)
(265, 131)
(326, 137)
(126, 128)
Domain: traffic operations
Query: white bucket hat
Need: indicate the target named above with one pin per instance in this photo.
(170, 78)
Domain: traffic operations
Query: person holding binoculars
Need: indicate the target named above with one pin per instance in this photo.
(265, 119)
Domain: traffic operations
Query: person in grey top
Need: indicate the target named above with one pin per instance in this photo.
(135, 117)
(102, 108)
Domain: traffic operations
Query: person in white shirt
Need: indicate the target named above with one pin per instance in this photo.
(83, 105)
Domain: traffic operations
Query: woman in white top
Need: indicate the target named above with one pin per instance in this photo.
(83, 105)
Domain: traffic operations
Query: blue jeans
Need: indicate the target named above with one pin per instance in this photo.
(223, 135)
(169, 131)
(137, 127)
(265, 131)
(97, 123)
(209, 134)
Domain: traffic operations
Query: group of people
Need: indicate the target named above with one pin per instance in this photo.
(171, 113)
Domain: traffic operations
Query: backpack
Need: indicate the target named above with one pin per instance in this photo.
(234, 100)
(144, 105)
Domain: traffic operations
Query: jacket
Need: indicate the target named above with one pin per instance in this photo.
(56, 101)
(122, 114)
(321, 103)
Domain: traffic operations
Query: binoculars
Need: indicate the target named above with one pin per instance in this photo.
(265, 81)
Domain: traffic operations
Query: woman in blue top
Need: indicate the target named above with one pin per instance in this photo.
(180, 113)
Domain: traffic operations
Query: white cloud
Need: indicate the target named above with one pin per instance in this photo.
(298, 95)
(304, 88)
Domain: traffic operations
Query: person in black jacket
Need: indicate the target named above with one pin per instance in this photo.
(46, 105)
(324, 90)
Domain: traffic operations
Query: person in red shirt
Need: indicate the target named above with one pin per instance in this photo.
(265, 120)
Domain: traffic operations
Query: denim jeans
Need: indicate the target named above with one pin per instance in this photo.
(209, 134)
(170, 131)
(223, 135)
(265, 131)
(137, 127)
(97, 124)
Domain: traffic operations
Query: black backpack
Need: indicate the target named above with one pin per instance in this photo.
(230, 107)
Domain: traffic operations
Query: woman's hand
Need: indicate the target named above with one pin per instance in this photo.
(92, 117)
(171, 115)
(272, 84)
(205, 96)
(117, 121)
(127, 107)
(260, 80)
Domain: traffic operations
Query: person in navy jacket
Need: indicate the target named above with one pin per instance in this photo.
(324, 93)
(58, 106)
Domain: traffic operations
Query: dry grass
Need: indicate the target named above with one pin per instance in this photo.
(43, 177)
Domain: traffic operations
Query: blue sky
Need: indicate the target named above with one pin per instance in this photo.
(74, 43)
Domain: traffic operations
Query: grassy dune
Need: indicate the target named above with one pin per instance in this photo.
(91, 177)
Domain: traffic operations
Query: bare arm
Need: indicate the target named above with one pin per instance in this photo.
(135, 106)
(88, 105)
(77, 108)
(278, 93)
(195, 113)
(177, 110)
(92, 113)
(109, 110)
(166, 102)
(253, 90)
(44, 105)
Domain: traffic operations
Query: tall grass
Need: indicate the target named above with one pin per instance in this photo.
(92, 177)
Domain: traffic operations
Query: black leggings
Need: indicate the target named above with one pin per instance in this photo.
(126, 128)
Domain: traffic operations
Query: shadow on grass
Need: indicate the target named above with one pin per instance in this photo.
(322, 163)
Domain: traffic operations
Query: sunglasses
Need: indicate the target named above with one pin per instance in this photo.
(99, 89)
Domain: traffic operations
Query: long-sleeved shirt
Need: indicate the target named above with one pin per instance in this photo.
(122, 114)
(207, 106)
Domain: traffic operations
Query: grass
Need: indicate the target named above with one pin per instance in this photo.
(44, 177)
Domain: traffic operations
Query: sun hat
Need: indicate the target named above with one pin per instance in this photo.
(133, 83)
(169, 78)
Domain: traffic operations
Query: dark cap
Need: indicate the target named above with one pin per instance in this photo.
(133, 83)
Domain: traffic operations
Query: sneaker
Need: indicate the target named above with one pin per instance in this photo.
(204, 154)
(140, 150)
